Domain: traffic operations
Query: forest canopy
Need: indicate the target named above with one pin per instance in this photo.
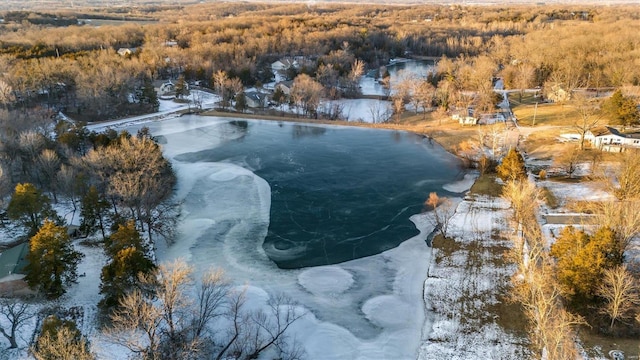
(77, 68)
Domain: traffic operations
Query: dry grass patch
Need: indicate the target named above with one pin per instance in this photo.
(549, 198)
(546, 114)
(446, 247)
(543, 144)
(486, 185)
(595, 344)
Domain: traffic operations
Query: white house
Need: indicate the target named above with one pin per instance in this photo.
(465, 120)
(126, 51)
(610, 139)
(284, 64)
(167, 87)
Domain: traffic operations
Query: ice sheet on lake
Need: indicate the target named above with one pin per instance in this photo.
(368, 308)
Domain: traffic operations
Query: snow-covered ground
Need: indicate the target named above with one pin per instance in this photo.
(167, 109)
(458, 290)
(360, 110)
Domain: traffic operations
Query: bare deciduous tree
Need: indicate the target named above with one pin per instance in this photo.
(424, 95)
(568, 161)
(136, 325)
(624, 178)
(306, 93)
(138, 178)
(620, 290)
(588, 116)
(212, 294)
(219, 83)
(379, 112)
(443, 211)
(621, 216)
(551, 329)
(48, 164)
(160, 320)
(5, 187)
(16, 312)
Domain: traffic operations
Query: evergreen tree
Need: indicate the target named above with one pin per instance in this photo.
(181, 88)
(148, 95)
(128, 258)
(241, 102)
(582, 259)
(512, 167)
(621, 109)
(93, 209)
(30, 206)
(279, 97)
(73, 136)
(52, 260)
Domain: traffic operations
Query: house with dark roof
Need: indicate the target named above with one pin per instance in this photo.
(255, 99)
(284, 86)
(607, 138)
(13, 262)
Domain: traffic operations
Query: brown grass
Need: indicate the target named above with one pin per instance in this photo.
(543, 144)
(546, 114)
(486, 185)
(549, 198)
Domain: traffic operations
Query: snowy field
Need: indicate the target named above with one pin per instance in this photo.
(457, 290)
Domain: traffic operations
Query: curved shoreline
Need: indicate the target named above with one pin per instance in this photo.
(413, 128)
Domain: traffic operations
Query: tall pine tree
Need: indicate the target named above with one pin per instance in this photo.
(30, 206)
(129, 256)
(52, 260)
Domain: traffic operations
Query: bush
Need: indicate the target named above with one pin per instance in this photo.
(542, 175)
(512, 167)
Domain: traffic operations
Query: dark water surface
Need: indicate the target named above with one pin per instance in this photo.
(337, 193)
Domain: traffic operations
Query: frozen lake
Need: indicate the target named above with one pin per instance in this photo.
(336, 193)
(274, 203)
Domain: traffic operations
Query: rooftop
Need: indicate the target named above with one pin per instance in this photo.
(13, 260)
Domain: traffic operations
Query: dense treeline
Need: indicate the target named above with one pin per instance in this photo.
(76, 68)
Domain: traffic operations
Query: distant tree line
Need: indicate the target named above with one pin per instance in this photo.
(76, 68)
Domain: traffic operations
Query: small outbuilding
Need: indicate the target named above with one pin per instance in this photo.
(13, 262)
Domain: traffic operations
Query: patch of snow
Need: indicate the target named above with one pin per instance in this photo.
(326, 281)
(462, 185)
(587, 191)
